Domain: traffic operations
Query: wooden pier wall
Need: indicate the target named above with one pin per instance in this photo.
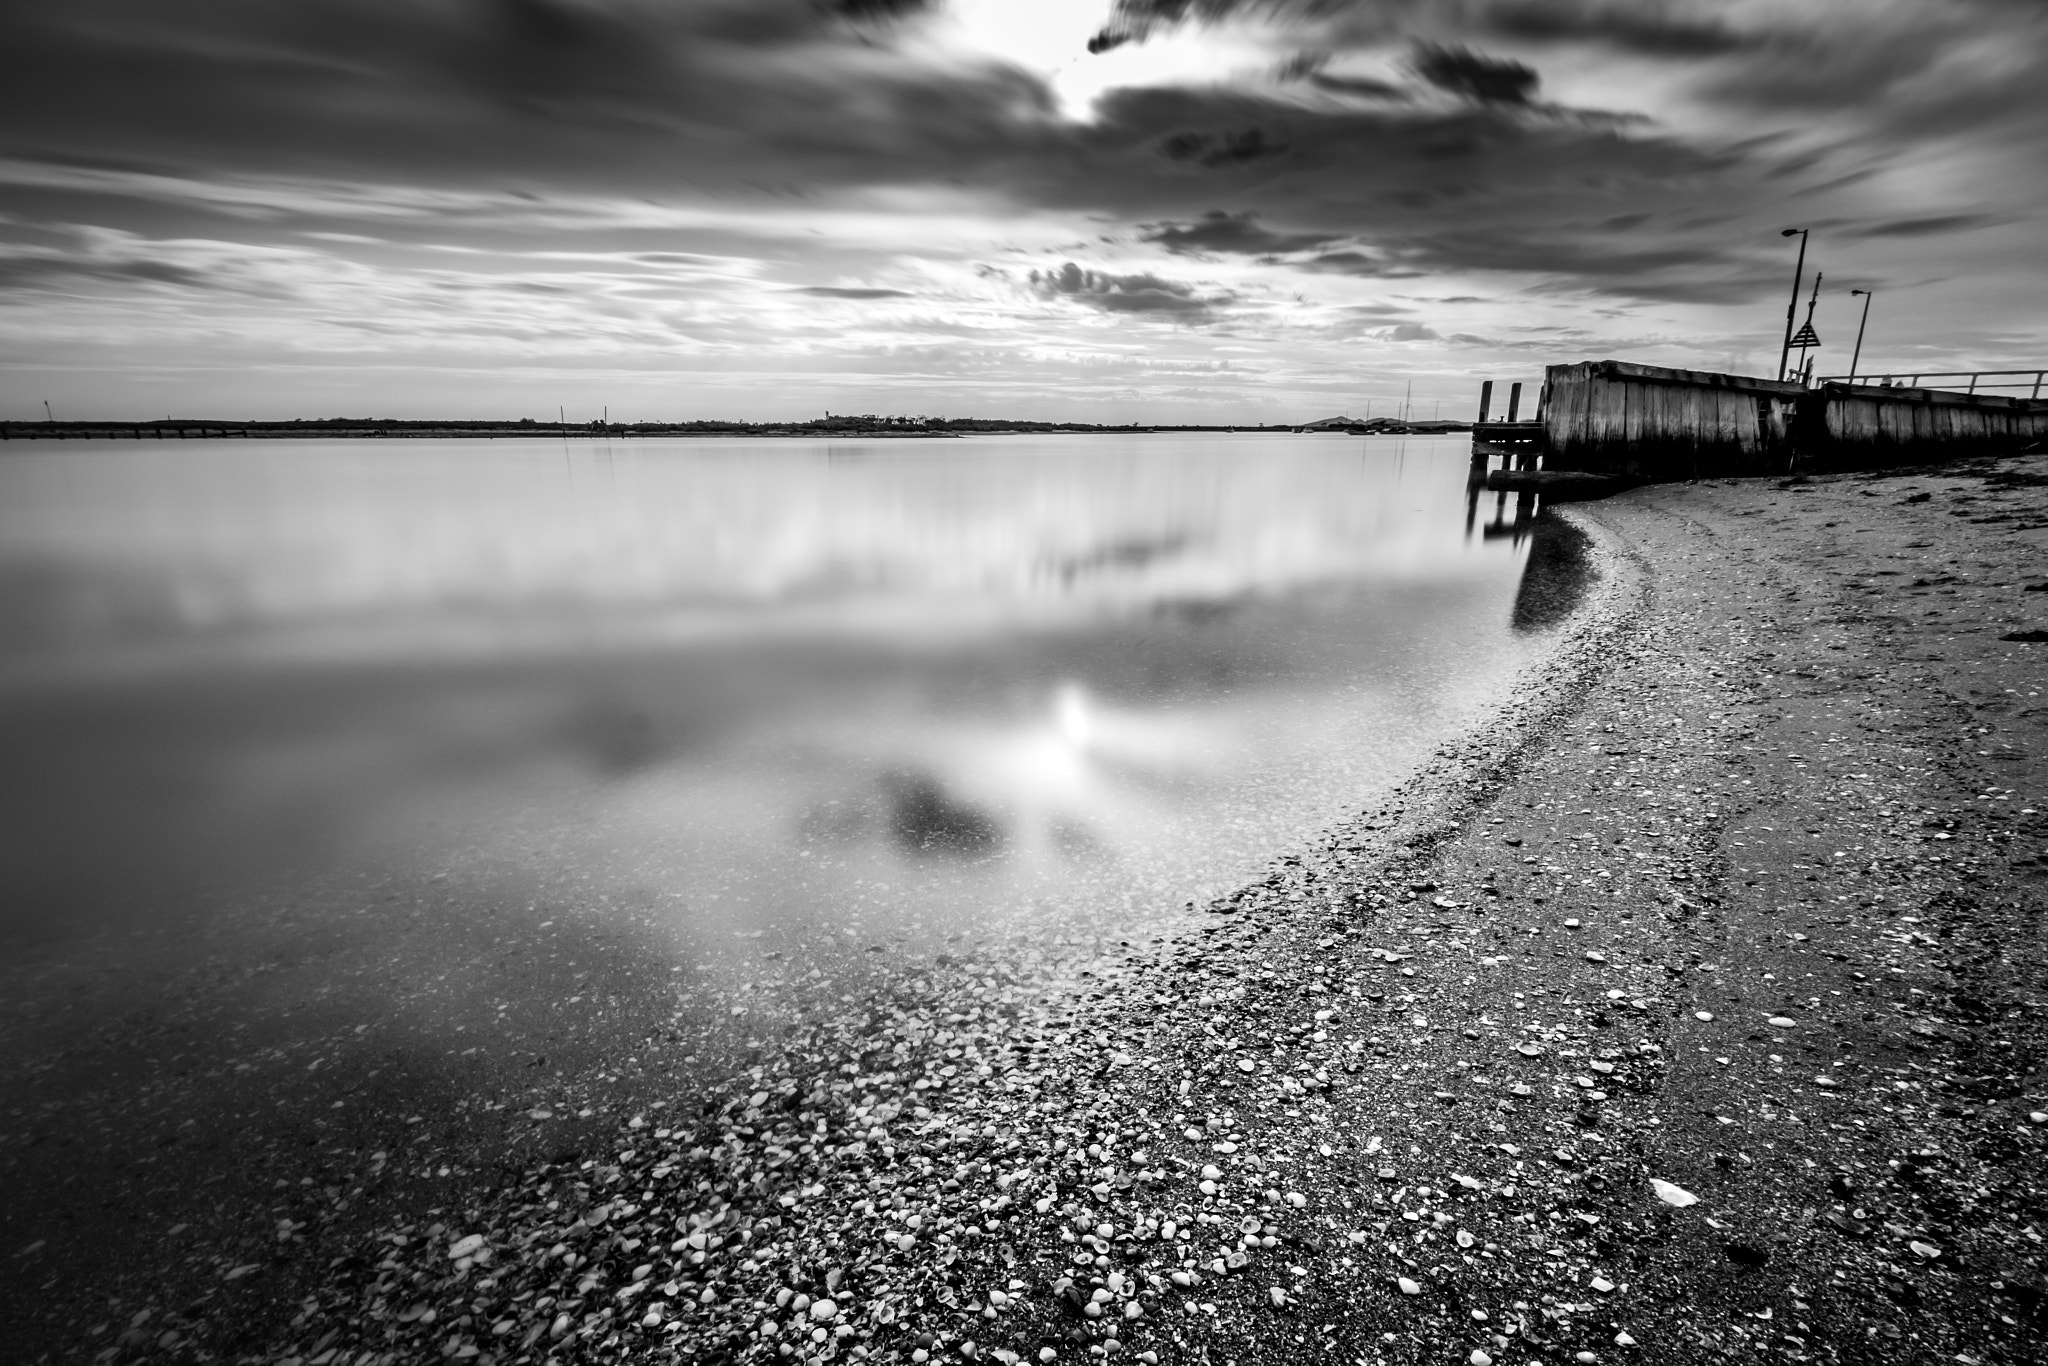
(1861, 425)
(1649, 422)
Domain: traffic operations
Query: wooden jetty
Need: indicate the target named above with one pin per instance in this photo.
(1648, 423)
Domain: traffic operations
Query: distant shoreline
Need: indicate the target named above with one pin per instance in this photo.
(391, 428)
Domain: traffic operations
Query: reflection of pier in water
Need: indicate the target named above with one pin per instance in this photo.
(1515, 530)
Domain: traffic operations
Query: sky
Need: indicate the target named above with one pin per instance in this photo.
(1096, 210)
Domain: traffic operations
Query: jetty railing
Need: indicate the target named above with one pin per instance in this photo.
(1977, 379)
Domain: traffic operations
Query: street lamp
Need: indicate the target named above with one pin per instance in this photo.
(1867, 296)
(1792, 307)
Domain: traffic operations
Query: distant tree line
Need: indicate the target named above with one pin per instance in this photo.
(830, 424)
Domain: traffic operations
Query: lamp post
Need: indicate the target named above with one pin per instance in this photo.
(1792, 308)
(1858, 355)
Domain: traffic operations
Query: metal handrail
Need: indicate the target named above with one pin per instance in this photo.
(1974, 376)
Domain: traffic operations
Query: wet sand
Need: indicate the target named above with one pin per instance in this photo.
(1743, 898)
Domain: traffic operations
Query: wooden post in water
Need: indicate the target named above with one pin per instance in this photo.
(1481, 458)
(1514, 400)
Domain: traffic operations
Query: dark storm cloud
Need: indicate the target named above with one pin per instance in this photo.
(1143, 293)
(1475, 76)
(875, 9)
(562, 94)
(1681, 271)
(1629, 25)
(1483, 185)
(550, 97)
(1231, 233)
(784, 101)
(1363, 87)
(1222, 148)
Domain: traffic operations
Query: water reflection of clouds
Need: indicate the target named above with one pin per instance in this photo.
(994, 678)
(341, 545)
(1076, 780)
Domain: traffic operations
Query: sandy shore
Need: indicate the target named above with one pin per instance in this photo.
(1690, 1011)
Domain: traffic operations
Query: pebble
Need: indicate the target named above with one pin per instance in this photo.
(1622, 1339)
(1602, 1284)
(1673, 1195)
(1479, 1358)
(1408, 1287)
(466, 1247)
(1782, 1022)
(1707, 1015)
(1595, 956)
(823, 1310)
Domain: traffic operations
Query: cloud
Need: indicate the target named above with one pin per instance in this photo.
(99, 262)
(1141, 293)
(599, 175)
(1221, 148)
(1464, 72)
(552, 96)
(1364, 87)
(876, 9)
(1233, 233)
(846, 292)
(1358, 263)
(1644, 27)
(1133, 21)
(1930, 226)
(50, 271)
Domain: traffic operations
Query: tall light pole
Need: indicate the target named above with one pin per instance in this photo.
(1867, 296)
(1792, 308)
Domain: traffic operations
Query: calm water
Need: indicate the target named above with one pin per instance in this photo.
(737, 689)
